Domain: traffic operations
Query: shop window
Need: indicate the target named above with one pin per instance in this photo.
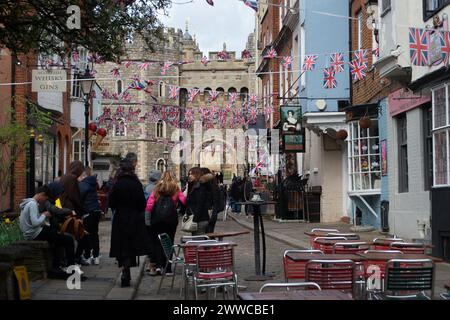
(364, 158)
(428, 146)
(402, 142)
(78, 150)
(441, 132)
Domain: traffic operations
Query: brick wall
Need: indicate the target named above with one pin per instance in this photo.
(370, 89)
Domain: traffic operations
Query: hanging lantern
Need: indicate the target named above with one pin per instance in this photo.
(341, 135)
(40, 139)
(92, 127)
(365, 123)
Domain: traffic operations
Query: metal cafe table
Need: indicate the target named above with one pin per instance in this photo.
(258, 225)
(296, 295)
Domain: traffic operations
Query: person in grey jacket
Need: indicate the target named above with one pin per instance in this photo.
(153, 177)
(34, 225)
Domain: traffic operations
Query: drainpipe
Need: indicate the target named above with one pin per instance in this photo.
(13, 107)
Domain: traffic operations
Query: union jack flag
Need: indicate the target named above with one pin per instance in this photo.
(233, 97)
(272, 54)
(165, 67)
(174, 92)
(445, 46)
(213, 95)
(253, 115)
(357, 69)
(204, 61)
(251, 4)
(192, 94)
(126, 96)
(337, 62)
(223, 114)
(189, 115)
(362, 56)
(376, 52)
(127, 64)
(115, 72)
(136, 85)
(287, 63)
(309, 63)
(106, 94)
(253, 99)
(418, 46)
(223, 55)
(75, 56)
(204, 114)
(329, 80)
(246, 54)
(267, 112)
(144, 66)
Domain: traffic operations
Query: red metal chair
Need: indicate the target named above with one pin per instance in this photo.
(405, 247)
(371, 272)
(295, 269)
(215, 268)
(313, 236)
(350, 247)
(348, 236)
(327, 249)
(384, 243)
(332, 274)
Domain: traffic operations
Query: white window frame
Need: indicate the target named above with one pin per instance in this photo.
(80, 150)
(439, 130)
(360, 27)
(370, 153)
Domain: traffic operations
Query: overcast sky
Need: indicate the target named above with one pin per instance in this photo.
(229, 21)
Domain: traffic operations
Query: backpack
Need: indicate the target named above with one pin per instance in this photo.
(164, 210)
(74, 226)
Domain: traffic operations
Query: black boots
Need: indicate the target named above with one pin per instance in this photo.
(126, 277)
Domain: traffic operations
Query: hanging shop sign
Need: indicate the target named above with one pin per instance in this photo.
(294, 143)
(291, 119)
(50, 80)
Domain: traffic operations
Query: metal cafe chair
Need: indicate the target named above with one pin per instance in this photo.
(349, 236)
(172, 257)
(287, 286)
(387, 241)
(407, 279)
(327, 249)
(406, 247)
(295, 269)
(185, 239)
(190, 262)
(350, 247)
(332, 274)
(215, 268)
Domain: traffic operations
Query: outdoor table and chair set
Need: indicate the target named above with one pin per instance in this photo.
(343, 267)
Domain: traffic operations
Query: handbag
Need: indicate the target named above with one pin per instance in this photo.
(188, 224)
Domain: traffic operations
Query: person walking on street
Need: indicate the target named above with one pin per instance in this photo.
(216, 203)
(153, 179)
(129, 238)
(91, 220)
(162, 212)
(198, 199)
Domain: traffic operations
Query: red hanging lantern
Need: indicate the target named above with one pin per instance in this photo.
(92, 127)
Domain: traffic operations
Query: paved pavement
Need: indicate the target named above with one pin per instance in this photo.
(104, 280)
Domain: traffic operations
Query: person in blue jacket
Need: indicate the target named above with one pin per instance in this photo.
(91, 220)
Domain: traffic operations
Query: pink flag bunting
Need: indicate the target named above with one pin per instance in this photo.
(233, 97)
(213, 95)
(192, 94)
(115, 72)
(309, 63)
(174, 92)
(165, 68)
(272, 54)
(287, 63)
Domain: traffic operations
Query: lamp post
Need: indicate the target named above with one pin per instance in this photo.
(87, 82)
(166, 154)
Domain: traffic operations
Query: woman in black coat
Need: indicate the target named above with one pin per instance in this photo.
(129, 238)
(199, 199)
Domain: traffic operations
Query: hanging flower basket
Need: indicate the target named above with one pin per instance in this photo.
(341, 135)
(365, 123)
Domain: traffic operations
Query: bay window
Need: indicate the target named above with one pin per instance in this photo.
(441, 135)
(364, 158)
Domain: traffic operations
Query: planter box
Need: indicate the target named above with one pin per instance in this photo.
(39, 261)
(8, 289)
(34, 255)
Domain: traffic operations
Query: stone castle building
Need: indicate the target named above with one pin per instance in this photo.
(149, 140)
